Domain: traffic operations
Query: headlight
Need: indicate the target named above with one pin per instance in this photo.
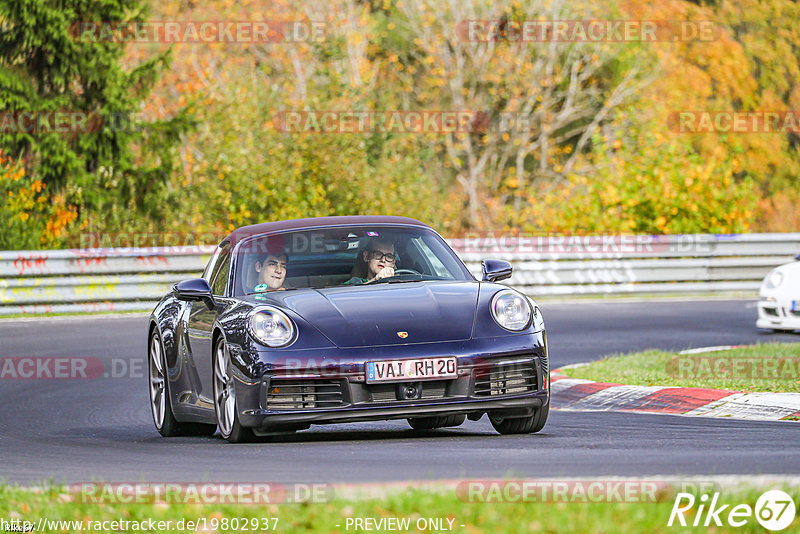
(271, 327)
(511, 310)
(774, 279)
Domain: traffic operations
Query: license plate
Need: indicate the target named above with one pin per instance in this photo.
(411, 370)
(796, 305)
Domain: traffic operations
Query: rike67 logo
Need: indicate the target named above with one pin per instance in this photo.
(774, 510)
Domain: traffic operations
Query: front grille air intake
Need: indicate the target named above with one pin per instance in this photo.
(505, 378)
(285, 394)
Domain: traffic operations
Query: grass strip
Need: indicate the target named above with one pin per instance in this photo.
(57, 504)
(769, 367)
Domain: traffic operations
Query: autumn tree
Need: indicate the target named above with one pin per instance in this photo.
(110, 168)
(545, 99)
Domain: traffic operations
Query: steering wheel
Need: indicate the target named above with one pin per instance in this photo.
(405, 271)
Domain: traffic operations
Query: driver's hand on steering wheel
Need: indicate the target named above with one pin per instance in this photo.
(386, 272)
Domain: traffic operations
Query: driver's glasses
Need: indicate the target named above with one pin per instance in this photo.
(387, 257)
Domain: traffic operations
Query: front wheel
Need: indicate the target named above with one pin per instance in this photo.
(160, 405)
(225, 397)
(522, 425)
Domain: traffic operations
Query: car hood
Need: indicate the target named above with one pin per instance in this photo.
(387, 314)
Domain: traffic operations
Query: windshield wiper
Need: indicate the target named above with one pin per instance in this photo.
(390, 281)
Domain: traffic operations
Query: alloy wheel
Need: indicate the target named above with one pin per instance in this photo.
(224, 392)
(157, 382)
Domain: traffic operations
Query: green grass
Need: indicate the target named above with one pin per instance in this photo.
(561, 517)
(772, 367)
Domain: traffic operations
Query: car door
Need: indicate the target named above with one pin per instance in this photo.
(201, 324)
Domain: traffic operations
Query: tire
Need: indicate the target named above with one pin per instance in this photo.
(436, 421)
(225, 406)
(160, 403)
(522, 425)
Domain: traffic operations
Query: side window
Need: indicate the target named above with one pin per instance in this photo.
(219, 276)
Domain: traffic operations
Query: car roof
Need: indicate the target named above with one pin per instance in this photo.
(315, 222)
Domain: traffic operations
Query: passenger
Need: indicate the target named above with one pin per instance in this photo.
(271, 272)
(376, 262)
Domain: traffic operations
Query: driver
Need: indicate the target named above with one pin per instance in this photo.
(271, 272)
(377, 261)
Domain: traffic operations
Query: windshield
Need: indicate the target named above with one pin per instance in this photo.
(351, 255)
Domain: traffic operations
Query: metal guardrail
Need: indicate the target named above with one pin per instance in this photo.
(635, 265)
(92, 280)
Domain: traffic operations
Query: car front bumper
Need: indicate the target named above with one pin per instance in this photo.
(777, 313)
(517, 406)
(505, 376)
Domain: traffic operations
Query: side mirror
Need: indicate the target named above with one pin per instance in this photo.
(797, 257)
(194, 290)
(495, 270)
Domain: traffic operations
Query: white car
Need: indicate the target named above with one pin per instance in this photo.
(779, 306)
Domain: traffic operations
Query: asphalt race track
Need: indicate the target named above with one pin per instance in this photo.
(101, 429)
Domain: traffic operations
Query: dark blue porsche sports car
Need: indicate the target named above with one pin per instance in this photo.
(342, 319)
